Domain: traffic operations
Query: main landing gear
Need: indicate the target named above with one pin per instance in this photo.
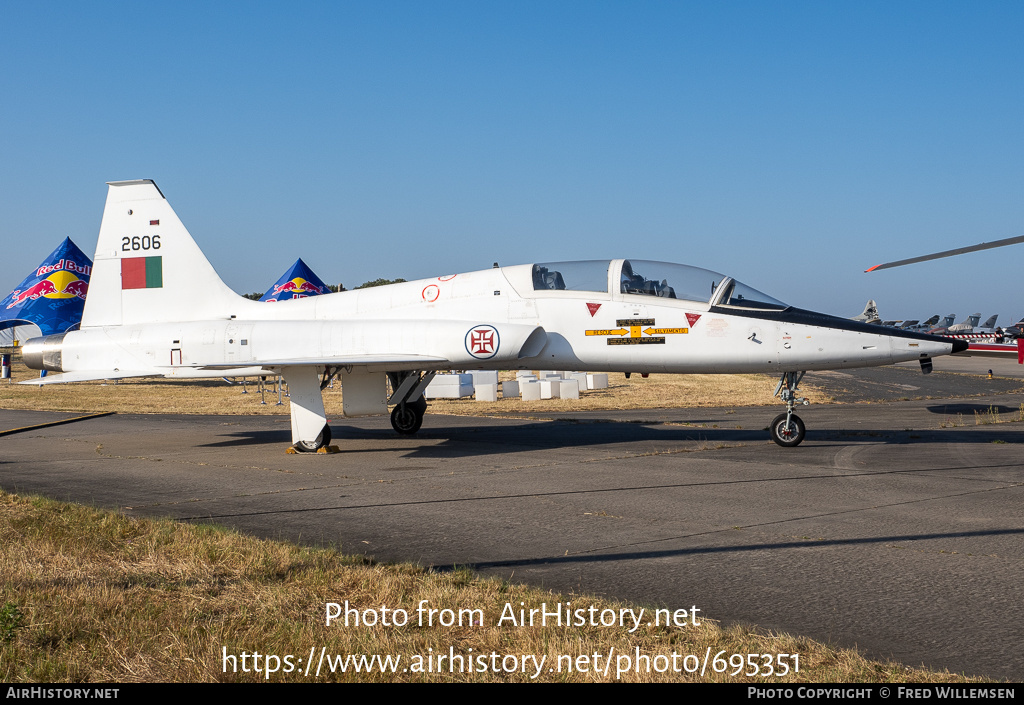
(310, 431)
(316, 444)
(410, 404)
(407, 417)
(788, 429)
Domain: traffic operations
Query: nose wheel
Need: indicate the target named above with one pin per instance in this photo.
(788, 429)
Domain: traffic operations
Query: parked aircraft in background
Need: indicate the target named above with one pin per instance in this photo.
(941, 329)
(995, 347)
(948, 253)
(870, 313)
(929, 323)
(966, 326)
(1016, 330)
(157, 308)
(989, 326)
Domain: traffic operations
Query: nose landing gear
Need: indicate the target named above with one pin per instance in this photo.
(788, 429)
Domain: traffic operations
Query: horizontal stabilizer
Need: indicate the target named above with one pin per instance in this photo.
(89, 376)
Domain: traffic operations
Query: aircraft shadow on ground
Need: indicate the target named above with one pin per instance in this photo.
(470, 441)
(744, 548)
(476, 440)
(971, 409)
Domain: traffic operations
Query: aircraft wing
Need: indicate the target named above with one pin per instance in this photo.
(949, 253)
(225, 369)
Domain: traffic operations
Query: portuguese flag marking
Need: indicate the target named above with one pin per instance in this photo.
(142, 273)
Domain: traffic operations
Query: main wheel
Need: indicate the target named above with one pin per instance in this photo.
(788, 436)
(313, 446)
(407, 418)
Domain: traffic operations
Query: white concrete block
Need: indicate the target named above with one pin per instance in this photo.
(569, 389)
(453, 386)
(581, 379)
(597, 381)
(486, 392)
(484, 376)
(549, 388)
(530, 391)
(509, 390)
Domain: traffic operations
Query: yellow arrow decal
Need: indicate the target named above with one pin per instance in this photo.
(616, 331)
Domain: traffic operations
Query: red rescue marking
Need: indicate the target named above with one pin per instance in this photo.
(593, 308)
(430, 293)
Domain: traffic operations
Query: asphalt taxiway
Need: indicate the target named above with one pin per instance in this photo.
(897, 526)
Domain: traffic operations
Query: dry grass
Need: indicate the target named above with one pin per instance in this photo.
(992, 415)
(663, 391)
(87, 595)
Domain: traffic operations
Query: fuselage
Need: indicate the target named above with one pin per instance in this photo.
(602, 315)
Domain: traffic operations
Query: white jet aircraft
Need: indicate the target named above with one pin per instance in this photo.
(157, 308)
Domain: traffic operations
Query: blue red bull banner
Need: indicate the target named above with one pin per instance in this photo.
(298, 282)
(52, 296)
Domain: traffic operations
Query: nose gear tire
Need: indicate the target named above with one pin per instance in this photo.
(787, 436)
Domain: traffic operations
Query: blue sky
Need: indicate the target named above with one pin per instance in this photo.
(789, 144)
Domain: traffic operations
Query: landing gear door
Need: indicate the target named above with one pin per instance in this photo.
(364, 393)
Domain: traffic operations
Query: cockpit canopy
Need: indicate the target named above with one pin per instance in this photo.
(650, 278)
(587, 275)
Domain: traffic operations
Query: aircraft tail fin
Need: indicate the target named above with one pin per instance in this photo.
(991, 322)
(147, 267)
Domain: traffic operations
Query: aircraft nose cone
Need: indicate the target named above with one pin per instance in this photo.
(959, 345)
